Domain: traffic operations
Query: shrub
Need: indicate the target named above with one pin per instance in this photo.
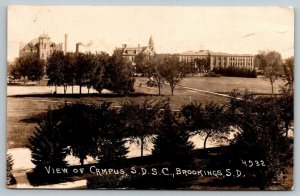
(10, 179)
(47, 148)
(235, 72)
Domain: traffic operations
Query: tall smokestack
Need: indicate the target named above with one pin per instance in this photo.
(77, 47)
(66, 43)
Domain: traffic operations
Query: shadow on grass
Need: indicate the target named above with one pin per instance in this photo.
(84, 95)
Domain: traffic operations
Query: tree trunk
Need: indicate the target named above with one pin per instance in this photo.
(65, 89)
(205, 140)
(72, 88)
(272, 89)
(80, 89)
(88, 90)
(81, 161)
(142, 147)
(172, 90)
(158, 86)
(55, 91)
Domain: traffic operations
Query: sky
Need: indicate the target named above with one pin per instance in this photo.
(236, 30)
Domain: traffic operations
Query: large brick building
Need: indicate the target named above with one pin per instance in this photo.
(42, 46)
(218, 59)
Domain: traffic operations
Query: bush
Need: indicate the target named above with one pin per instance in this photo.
(172, 142)
(235, 72)
(10, 179)
(46, 146)
(108, 181)
(261, 137)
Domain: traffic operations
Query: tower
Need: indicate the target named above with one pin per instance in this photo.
(66, 43)
(151, 43)
(44, 46)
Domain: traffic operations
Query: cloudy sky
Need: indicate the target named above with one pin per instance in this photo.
(239, 30)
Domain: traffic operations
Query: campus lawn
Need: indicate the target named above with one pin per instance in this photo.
(21, 108)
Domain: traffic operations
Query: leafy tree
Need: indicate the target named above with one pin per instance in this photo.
(78, 127)
(172, 142)
(12, 72)
(150, 66)
(46, 144)
(118, 74)
(110, 139)
(83, 69)
(140, 66)
(172, 70)
(260, 137)
(60, 69)
(30, 67)
(286, 111)
(208, 121)
(139, 119)
(69, 70)
(271, 64)
(288, 70)
(98, 78)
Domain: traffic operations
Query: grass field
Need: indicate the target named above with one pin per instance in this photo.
(20, 108)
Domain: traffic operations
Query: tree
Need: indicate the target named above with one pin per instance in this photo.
(12, 72)
(110, 137)
(60, 69)
(10, 179)
(139, 118)
(288, 70)
(78, 127)
(30, 67)
(150, 66)
(100, 61)
(172, 142)
(46, 144)
(208, 121)
(271, 64)
(286, 111)
(83, 70)
(261, 137)
(119, 75)
(172, 70)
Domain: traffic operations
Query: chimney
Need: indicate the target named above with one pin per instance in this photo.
(124, 45)
(66, 43)
(77, 47)
(138, 45)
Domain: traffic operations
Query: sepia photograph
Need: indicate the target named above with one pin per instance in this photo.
(150, 97)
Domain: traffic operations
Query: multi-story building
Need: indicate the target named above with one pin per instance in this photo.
(218, 59)
(130, 52)
(41, 46)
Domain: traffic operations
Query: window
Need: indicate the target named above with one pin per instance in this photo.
(44, 46)
(42, 55)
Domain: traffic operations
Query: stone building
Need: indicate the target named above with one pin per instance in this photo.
(42, 46)
(130, 52)
(218, 59)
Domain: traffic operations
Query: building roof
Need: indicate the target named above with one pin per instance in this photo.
(208, 52)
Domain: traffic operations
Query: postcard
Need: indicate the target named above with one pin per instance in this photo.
(150, 97)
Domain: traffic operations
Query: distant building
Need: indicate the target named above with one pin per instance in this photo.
(130, 52)
(218, 59)
(42, 46)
